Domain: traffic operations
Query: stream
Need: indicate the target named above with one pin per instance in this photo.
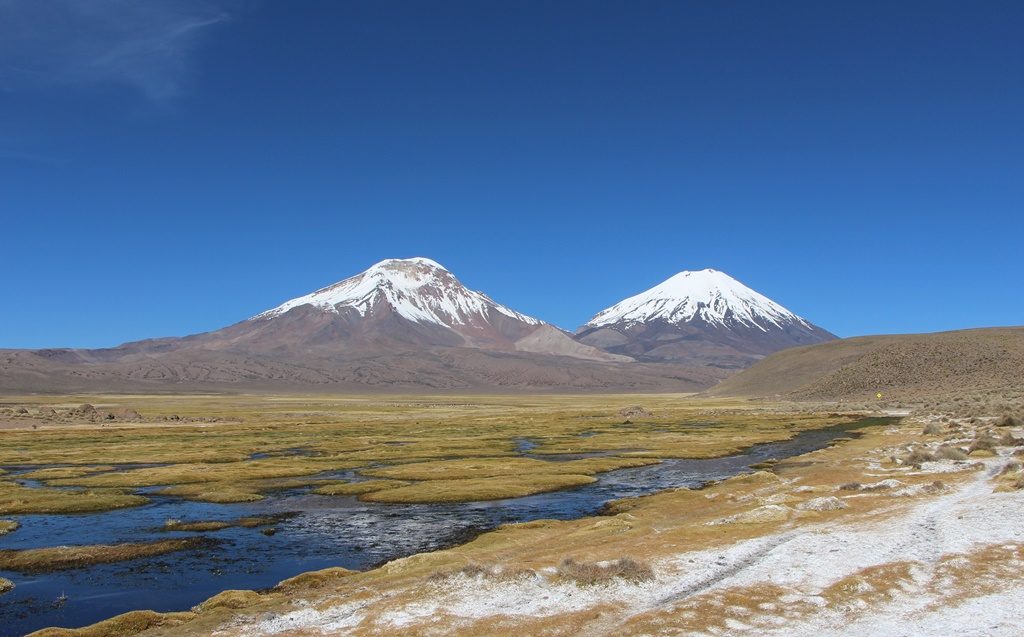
(325, 531)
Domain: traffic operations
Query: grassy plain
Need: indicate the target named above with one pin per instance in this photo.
(424, 449)
(616, 574)
(394, 449)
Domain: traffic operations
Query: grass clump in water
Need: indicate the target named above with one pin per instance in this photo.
(477, 489)
(60, 558)
(215, 493)
(15, 498)
(198, 527)
(202, 526)
(358, 488)
(8, 526)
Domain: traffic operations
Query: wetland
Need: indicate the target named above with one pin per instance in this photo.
(164, 516)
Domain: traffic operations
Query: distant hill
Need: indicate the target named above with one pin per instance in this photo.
(899, 366)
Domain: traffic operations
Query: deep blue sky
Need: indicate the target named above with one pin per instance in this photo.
(173, 167)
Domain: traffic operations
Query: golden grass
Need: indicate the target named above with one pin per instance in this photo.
(58, 473)
(452, 448)
(869, 586)
(493, 467)
(6, 585)
(66, 557)
(477, 489)
(214, 492)
(9, 526)
(179, 474)
(127, 624)
(313, 579)
(15, 498)
(202, 526)
(197, 527)
(229, 599)
(358, 488)
(303, 439)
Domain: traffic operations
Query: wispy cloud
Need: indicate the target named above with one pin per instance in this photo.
(145, 44)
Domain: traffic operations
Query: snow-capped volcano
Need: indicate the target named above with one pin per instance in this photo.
(706, 295)
(417, 289)
(396, 306)
(705, 317)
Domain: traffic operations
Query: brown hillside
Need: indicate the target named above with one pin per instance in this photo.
(900, 366)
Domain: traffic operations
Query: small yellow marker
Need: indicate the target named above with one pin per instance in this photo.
(878, 395)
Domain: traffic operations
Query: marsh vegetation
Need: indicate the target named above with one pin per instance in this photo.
(371, 479)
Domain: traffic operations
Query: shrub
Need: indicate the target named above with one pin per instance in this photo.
(918, 456)
(592, 573)
(1009, 440)
(471, 570)
(932, 429)
(850, 486)
(1010, 467)
(935, 487)
(984, 442)
(1008, 421)
(949, 452)
(515, 574)
(474, 570)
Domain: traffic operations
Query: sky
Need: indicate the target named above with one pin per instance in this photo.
(174, 166)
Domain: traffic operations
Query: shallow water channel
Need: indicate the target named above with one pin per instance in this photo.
(326, 531)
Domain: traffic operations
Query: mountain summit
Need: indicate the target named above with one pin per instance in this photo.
(397, 304)
(395, 307)
(701, 317)
(417, 289)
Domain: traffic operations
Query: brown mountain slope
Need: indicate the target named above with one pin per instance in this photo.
(437, 369)
(899, 366)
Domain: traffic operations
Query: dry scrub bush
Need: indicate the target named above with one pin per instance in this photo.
(1009, 440)
(592, 573)
(1009, 421)
(932, 429)
(515, 574)
(949, 452)
(474, 571)
(1010, 467)
(935, 487)
(983, 442)
(918, 456)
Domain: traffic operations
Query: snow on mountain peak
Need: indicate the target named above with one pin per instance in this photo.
(418, 289)
(708, 295)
